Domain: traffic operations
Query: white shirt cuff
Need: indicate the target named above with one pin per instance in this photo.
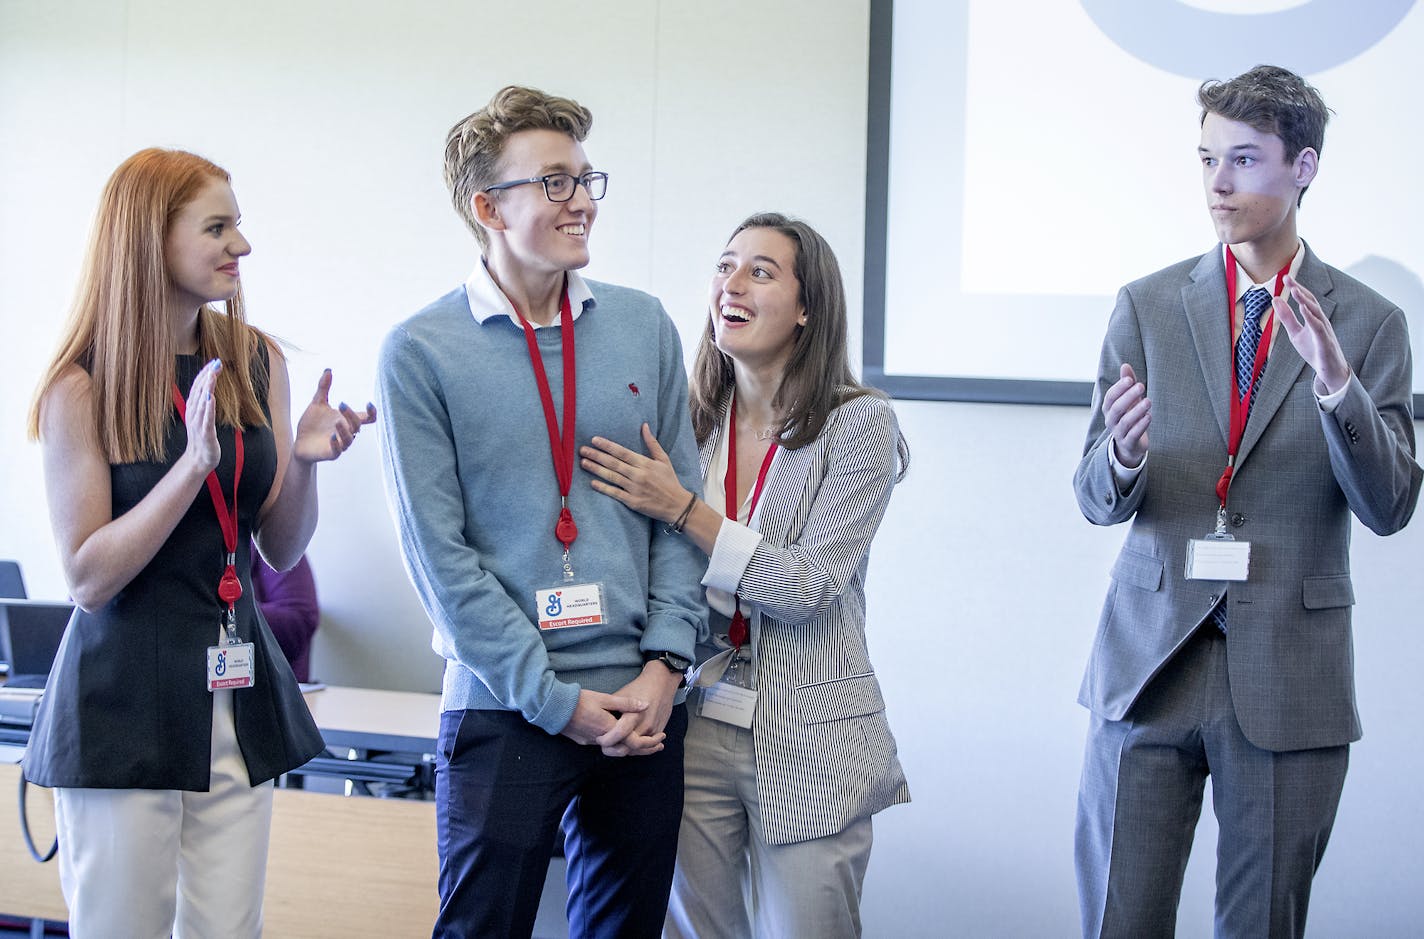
(731, 554)
(1124, 476)
(1328, 403)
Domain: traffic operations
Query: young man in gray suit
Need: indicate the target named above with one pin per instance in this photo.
(1224, 647)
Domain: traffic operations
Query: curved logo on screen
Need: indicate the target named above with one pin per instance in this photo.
(1186, 40)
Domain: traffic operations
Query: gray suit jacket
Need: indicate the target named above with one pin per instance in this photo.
(1299, 474)
(825, 755)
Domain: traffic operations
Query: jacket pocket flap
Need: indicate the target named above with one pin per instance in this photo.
(839, 698)
(1139, 570)
(1321, 593)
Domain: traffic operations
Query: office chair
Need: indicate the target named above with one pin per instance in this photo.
(12, 582)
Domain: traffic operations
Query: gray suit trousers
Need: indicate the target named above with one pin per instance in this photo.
(1141, 795)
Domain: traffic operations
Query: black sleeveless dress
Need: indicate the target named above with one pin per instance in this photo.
(127, 704)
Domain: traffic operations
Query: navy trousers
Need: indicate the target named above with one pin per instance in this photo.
(502, 789)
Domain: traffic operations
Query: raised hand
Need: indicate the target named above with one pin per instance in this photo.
(1127, 412)
(1313, 336)
(324, 432)
(200, 419)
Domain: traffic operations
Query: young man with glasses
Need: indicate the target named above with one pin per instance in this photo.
(566, 620)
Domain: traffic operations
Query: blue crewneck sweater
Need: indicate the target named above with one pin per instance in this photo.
(472, 487)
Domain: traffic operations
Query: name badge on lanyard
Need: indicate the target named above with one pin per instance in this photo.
(732, 697)
(231, 663)
(568, 603)
(1218, 555)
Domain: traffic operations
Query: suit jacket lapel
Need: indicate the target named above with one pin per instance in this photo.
(1204, 301)
(709, 446)
(1284, 364)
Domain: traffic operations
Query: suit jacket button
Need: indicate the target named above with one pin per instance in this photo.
(1212, 599)
(1237, 519)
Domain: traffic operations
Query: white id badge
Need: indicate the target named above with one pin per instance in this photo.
(1218, 557)
(230, 666)
(569, 605)
(729, 704)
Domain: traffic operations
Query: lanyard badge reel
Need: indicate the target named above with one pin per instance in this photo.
(1218, 555)
(569, 603)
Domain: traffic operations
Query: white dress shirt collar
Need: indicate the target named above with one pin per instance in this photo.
(486, 299)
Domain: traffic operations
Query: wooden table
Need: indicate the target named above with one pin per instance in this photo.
(337, 866)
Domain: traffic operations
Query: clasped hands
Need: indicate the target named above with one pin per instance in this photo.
(629, 722)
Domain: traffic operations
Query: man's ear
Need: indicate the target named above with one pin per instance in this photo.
(1307, 162)
(486, 210)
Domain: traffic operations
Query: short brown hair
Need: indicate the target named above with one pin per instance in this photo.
(474, 145)
(1272, 100)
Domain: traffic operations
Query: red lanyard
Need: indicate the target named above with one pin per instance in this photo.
(737, 632)
(560, 446)
(229, 587)
(1241, 405)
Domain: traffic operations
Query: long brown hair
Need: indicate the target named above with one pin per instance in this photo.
(818, 377)
(119, 329)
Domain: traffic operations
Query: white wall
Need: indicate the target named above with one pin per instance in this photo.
(331, 117)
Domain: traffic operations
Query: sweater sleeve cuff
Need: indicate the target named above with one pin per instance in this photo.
(558, 709)
(730, 555)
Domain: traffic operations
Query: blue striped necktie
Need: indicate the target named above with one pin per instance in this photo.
(1256, 302)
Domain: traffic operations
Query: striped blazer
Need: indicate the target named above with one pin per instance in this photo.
(824, 752)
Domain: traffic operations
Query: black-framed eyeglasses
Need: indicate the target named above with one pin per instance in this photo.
(560, 187)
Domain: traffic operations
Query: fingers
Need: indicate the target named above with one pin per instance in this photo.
(204, 381)
(655, 449)
(622, 729)
(621, 703)
(1125, 400)
(1132, 433)
(342, 426)
(1127, 413)
(323, 387)
(1309, 308)
(602, 448)
(602, 464)
(637, 745)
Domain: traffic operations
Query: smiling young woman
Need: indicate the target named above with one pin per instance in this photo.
(168, 446)
(788, 751)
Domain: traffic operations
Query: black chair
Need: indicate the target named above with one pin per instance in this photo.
(12, 582)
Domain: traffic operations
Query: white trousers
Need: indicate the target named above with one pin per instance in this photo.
(729, 883)
(158, 862)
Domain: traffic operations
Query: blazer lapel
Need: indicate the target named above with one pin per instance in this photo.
(1284, 364)
(1204, 301)
(709, 446)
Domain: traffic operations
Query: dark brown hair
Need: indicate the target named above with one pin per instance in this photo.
(1272, 100)
(818, 376)
(474, 145)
